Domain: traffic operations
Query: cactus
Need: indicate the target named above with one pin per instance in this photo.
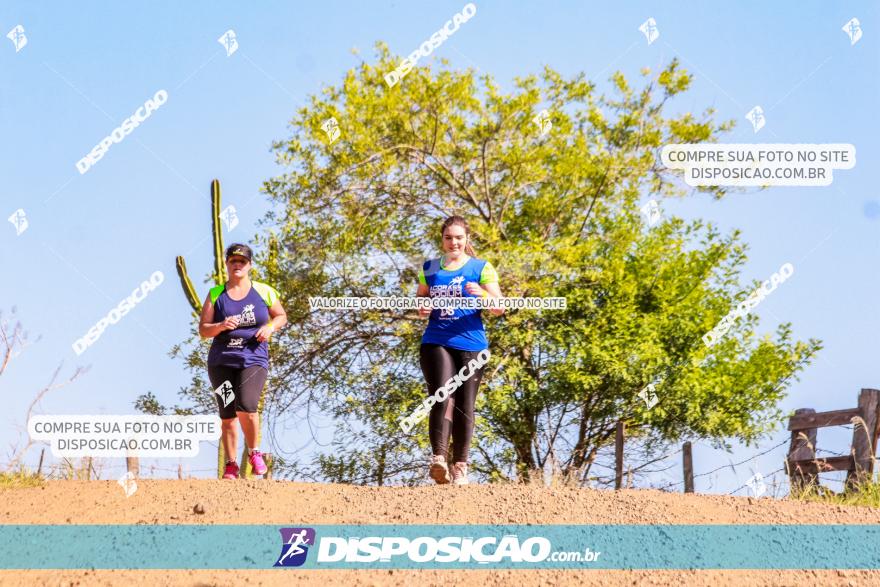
(219, 267)
(219, 278)
(219, 264)
(188, 288)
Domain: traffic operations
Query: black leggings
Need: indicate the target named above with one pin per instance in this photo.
(439, 364)
(247, 385)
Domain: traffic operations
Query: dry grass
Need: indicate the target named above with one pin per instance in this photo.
(866, 494)
(19, 478)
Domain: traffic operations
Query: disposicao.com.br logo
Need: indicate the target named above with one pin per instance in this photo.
(295, 543)
(414, 547)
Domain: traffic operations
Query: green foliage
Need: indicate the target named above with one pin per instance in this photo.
(558, 215)
(148, 404)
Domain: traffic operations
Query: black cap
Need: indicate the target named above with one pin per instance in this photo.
(240, 250)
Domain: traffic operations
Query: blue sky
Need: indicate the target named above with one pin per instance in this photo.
(93, 238)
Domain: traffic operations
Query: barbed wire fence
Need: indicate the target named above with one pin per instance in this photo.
(730, 466)
(777, 479)
(112, 469)
(96, 468)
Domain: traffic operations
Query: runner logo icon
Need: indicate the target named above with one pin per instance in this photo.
(225, 392)
(650, 30)
(853, 30)
(229, 42)
(295, 543)
(17, 36)
(19, 221)
(756, 117)
(543, 121)
(229, 217)
(331, 127)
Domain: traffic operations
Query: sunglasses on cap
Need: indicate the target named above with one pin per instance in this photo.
(239, 251)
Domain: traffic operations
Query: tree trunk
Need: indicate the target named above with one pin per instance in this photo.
(580, 448)
(525, 460)
(380, 467)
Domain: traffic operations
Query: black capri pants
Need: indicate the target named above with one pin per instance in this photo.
(247, 385)
(456, 413)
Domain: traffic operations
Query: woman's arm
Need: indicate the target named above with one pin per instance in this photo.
(423, 292)
(487, 290)
(207, 327)
(277, 320)
(494, 292)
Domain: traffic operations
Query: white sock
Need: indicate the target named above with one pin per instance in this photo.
(251, 450)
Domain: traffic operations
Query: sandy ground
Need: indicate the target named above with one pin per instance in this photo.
(284, 503)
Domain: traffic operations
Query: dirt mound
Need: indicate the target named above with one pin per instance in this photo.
(284, 504)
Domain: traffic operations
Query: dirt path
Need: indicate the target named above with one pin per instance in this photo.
(283, 503)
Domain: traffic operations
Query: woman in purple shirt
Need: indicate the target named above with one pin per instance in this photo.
(240, 316)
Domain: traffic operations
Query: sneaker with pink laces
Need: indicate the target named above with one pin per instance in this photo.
(231, 471)
(257, 463)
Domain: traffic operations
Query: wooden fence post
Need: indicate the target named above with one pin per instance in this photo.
(40, 466)
(688, 467)
(802, 478)
(132, 465)
(864, 439)
(618, 455)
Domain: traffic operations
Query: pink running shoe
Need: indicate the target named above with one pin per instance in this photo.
(231, 471)
(257, 463)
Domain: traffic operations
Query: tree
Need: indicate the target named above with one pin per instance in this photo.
(558, 215)
(13, 339)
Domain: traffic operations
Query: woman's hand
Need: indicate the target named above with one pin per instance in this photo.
(423, 292)
(231, 322)
(474, 289)
(264, 333)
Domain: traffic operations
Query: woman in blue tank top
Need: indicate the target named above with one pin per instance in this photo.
(454, 346)
(240, 315)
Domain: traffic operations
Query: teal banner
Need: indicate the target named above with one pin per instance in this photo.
(439, 547)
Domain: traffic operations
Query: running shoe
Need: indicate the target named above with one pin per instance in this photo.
(231, 471)
(257, 463)
(439, 472)
(459, 474)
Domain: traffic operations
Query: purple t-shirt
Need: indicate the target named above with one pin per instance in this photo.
(239, 348)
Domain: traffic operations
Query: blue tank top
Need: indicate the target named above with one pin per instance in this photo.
(460, 328)
(239, 348)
